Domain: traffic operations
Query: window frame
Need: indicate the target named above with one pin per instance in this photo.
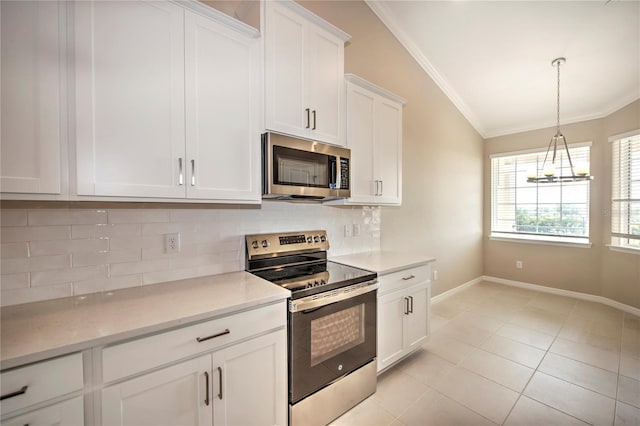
(533, 238)
(616, 238)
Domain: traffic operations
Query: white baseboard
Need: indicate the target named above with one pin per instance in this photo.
(455, 290)
(575, 294)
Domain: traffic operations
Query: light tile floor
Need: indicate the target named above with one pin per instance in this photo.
(501, 355)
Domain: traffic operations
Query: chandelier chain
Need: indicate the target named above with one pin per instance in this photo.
(558, 103)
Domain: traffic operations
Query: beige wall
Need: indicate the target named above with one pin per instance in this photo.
(441, 212)
(596, 270)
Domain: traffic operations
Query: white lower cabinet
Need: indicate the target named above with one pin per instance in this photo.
(66, 413)
(403, 314)
(243, 384)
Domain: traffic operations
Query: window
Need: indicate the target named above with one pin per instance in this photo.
(544, 211)
(625, 191)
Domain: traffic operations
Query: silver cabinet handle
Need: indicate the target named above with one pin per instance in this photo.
(381, 188)
(206, 381)
(193, 172)
(180, 174)
(308, 118)
(410, 277)
(22, 391)
(213, 336)
(220, 379)
(406, 306)
(410, 304)
(314, 120)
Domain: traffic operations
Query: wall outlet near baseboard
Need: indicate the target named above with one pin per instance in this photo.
(519, 264)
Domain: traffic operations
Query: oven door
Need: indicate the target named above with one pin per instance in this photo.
(329, 341)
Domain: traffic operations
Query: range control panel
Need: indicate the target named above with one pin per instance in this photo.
(261, 245)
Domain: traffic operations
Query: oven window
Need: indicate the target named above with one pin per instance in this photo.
(336, 333)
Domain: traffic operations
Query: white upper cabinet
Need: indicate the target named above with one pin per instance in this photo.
(129, 69)
(222, 110)
(374, 135)
(304, 66)
(32, 35)
(167, 103)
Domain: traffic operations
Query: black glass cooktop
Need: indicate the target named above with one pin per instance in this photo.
(316, 277)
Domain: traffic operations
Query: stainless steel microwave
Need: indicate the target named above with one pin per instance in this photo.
(299, 169)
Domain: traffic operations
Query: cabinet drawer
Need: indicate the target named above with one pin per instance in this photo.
(70, 412)
(404, 278)
(40, 382)
(146, 353)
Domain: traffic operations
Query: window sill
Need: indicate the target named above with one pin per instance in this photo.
(534, 239)
(624, 249)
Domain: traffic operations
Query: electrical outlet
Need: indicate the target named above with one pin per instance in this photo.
(347, 230)
(435, 275)
(519, 264)
(172, 243)
(356, 230)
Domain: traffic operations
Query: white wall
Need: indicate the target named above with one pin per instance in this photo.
(50, 253)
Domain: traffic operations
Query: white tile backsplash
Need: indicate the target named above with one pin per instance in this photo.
(52, 253)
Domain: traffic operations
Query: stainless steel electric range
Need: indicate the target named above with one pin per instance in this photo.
(331, 323)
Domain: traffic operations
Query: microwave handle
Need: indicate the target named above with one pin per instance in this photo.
(334, 170)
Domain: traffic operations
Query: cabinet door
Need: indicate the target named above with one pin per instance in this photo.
(129, 68)
(251, 382)
(360, 136)
(417, 329)
(30, 96)
(222, 107)
(388, 151)
(171, 396)
(66, 413)
(392, 310)
(325, 85)
(285, 41)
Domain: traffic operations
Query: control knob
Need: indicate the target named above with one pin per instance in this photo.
(316, 239)
(265, 243)
(309, 239)
(254, 244)
(323, 238)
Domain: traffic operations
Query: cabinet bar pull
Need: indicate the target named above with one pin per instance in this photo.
(213, 336)
(410, 277)
(314, 120)
(206, 378)
(220, 378)
(381, 188)
(193, 172)
(410, 304)
(308, 118)
(406, 306)
(180, 174)
(22, 391)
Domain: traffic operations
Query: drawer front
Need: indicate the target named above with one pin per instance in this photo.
(403, 279)
(64, 413)
(40, 382)
(146, 353)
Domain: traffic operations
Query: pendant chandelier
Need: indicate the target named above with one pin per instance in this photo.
(549, 170)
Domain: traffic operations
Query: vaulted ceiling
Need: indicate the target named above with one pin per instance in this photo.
(493, 58)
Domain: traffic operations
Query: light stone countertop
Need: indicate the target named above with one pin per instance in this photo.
(384, 262)
(37, 331)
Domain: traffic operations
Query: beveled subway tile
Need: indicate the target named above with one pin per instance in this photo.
(587, 354)
(48, 263)
(396, 392)
(367, 413)
(35, 233)
(514, 351)
(49, 248)
(426, 367)
(28, 295)
(14, 250)
(481, 395)
(528, 412)
(131, 268)
(14, 281)
(66, 217)
(109, 230)
(574, 400)
(138, 216)
(581, 374)
(57, 276)
(526, 335)
(106, 284)
(169, 227)
(629, 391)
(103, 258)
(500, 370)
(11, 217)
(435, 409)
(627, 415)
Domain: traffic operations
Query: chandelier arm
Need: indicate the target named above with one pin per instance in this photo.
(566, 148)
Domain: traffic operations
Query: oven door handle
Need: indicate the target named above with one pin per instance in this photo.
(318, 300)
